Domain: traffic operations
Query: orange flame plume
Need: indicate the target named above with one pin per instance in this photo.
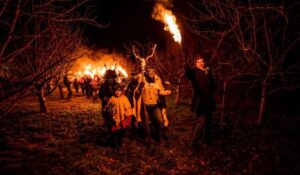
(166, 16)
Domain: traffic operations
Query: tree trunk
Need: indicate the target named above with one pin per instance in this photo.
(178, 89)
(61, 91)
(223, 103)
(41, 99)
(262, 104)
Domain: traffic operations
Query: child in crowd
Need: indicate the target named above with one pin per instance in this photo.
(120, 114)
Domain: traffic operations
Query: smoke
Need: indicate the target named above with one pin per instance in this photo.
(165, 3)
(158, 10)
(159, 7)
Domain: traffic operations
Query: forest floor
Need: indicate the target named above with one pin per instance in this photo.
(70, 139)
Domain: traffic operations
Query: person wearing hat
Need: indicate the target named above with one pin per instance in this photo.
(106, 91)
(120, 114)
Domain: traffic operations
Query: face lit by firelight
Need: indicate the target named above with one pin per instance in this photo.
(151, 73)
(200, 63)
(118, 92)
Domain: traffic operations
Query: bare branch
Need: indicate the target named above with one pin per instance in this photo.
(12, 28)
(4, 7)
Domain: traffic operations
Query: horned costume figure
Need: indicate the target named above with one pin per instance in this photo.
(107, 90)
(146, 100)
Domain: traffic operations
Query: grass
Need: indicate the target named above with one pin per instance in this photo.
(70, 139)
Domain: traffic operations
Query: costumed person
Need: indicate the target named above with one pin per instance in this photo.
(146, 98)
(107, 90)
(95, 85)
(203, 103)
(120, 113)
(130, 88)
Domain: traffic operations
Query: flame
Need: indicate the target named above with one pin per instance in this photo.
(91, 71)
(166, 16)
(122, 71)
(93, 63)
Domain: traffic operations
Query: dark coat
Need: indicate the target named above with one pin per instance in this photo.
(105, 92)
(203, 84)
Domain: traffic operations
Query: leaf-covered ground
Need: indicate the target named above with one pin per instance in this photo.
(70, 139)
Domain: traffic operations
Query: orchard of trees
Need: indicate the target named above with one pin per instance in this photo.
(250, 45)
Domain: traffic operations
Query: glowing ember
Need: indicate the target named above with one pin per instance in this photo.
(166, 16)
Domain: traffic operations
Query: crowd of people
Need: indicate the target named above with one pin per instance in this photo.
(137, 104)
(88, 85)
(134, 104)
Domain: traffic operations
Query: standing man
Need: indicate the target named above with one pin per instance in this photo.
(203, 103)
(147, 93)
(76, 85)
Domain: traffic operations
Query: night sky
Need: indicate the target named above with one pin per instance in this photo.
(130, 20)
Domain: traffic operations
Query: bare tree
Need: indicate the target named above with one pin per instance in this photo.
(255, 41)
(38, 43)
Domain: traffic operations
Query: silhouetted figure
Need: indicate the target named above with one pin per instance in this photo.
(95, 86)
(82, 85)
(87, 85)
(67, 84)
(76, 85)
(130, 90)
(107, 90)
